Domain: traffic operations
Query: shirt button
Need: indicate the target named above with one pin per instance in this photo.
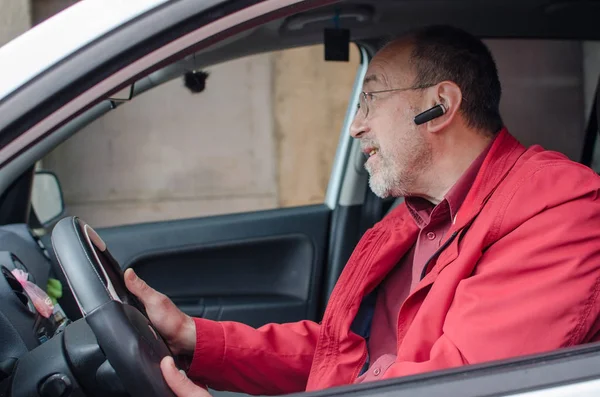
(431, 235)
(376, 371)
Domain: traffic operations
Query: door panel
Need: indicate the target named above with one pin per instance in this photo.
(256, 268)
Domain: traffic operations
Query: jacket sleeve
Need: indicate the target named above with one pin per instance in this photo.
(535, 289)
(273, 359)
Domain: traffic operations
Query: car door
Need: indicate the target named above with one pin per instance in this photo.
(255, 267)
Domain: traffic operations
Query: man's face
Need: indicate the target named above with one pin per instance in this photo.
(397, 152)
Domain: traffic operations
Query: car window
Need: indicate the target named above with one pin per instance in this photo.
(261, 135)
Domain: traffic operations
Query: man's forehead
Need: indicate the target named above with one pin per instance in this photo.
(391, 66)
(380, 79)
(377, 76)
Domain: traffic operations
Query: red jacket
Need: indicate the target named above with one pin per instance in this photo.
(520, 274)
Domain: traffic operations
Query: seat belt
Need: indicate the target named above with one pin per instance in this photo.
(361, 325)
(592, 130)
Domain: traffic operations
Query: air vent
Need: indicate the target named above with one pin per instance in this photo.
(17, 263)
(17, 288)
(10, 261)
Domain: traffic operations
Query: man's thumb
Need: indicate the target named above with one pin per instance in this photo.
(136, 285)
(179, 383)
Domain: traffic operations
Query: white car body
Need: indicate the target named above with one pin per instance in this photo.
(58, 37)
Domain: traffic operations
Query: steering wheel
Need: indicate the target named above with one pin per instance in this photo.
(115, 316)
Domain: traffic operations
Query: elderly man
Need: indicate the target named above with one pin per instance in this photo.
(495, 252)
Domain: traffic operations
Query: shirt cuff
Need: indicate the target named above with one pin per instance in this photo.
(209, 352)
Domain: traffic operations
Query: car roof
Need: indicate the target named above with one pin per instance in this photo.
(547, 19)
(58, 37)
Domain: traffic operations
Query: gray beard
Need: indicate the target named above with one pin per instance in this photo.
(385, 183)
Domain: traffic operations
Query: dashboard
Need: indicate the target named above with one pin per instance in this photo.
(47, 349)
(22, 328)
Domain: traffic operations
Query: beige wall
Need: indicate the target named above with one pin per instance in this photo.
(15, 18)
(311, 98)
(172, 154)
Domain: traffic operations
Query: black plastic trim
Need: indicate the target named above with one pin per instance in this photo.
(218, 256)
(15, 204)
(36, 366)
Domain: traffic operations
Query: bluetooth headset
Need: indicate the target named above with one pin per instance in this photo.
(430, 114)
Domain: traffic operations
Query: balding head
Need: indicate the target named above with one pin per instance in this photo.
(391, 66)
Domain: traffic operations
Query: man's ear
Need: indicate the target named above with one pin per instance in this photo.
(449, 95)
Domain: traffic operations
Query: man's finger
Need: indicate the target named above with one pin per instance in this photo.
(138, 287)
(179, 383)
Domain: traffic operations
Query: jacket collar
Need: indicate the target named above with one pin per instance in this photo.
(503, 155)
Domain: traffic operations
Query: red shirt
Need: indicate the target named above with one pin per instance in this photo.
(433, 222)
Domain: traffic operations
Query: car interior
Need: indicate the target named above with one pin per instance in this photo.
(258, 267)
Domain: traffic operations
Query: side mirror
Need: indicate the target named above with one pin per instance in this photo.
(46, 197)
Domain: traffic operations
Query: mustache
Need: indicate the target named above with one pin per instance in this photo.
(368, 144)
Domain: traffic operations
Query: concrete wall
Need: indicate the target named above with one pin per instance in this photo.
(311, 98)
(15, 18)
(172, 154)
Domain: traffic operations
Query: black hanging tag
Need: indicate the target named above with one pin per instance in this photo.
(337, 42)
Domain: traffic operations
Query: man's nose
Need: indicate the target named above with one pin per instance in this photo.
(358, 126)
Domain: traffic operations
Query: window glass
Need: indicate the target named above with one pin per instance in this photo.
(262, 135)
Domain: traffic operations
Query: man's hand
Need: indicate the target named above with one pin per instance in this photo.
(177, 328)
(179, 383)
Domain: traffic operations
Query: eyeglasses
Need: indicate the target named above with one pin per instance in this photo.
(366, 97)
